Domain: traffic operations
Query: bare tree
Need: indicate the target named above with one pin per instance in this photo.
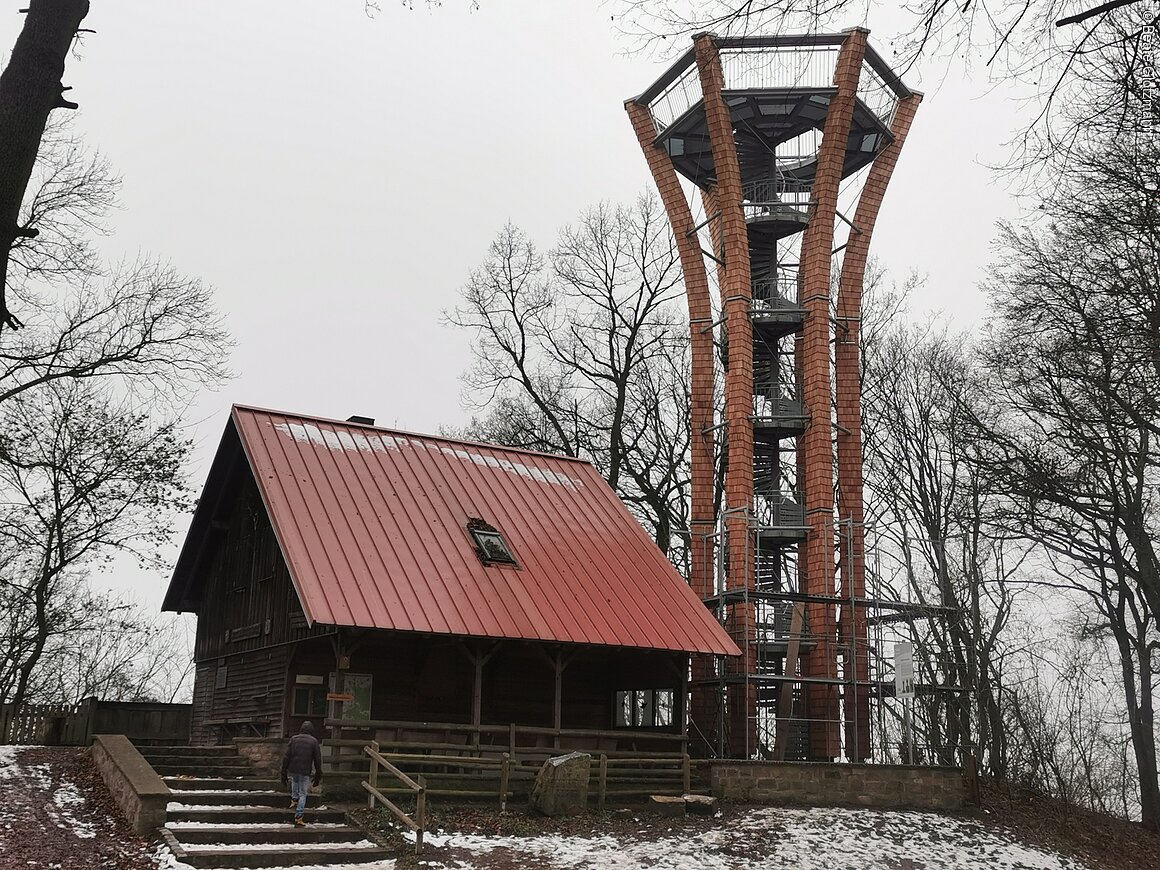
(117, 651)
(132, 322)
(1074, 373)
(1104, 52)
(91, 392)
(84, 478)
(930, 521)
(582, 352)
(30, 88)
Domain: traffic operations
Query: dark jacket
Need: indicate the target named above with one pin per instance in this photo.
(301, 752)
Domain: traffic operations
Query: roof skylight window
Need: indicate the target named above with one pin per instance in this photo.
(489, 544)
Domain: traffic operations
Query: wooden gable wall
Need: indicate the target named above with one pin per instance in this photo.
(248, 617)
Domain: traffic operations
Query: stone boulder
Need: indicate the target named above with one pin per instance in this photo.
(701, 805)
(561, 787)
(666, 806)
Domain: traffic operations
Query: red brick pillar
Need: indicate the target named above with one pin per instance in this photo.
(736, 295)
(816, 252)
(702, 521)
(848, 393)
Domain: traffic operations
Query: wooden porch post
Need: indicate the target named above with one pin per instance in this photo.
(477, 699)
(341, 665)
(478, 659)
(682, 710)
(557, 703)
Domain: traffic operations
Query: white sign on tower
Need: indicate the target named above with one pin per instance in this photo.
(904, 671)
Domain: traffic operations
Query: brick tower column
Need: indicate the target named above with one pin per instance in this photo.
(736, 298)
(848, 399)
(817, 444)
(702, 705)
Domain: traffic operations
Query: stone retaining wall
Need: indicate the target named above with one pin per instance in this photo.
(819, 784)
(138, 791)
(265, 753)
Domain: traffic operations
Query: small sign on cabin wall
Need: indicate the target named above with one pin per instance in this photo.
(339, 696)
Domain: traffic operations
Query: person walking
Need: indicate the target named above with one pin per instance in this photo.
(303, 757)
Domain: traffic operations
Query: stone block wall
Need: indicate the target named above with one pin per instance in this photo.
(140, 794)
(860, 785)
(265, 754)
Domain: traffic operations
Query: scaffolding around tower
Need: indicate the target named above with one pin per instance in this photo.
(767, 129)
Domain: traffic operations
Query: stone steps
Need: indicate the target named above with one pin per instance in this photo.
(315, 855)
(211, 771)
(234, 797)
(196, 761)
(244, 814)
(223, 818)
(197, 783)
(151, 749)
(235, 834)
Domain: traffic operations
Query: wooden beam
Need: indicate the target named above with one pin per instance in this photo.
(477, 700)
(558, 665)
(341, 664)
(478, 658)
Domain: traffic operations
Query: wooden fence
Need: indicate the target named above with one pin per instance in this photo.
(75, 724)
(459, 776)
(44, 724)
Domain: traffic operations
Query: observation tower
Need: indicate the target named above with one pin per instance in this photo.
(764, 130)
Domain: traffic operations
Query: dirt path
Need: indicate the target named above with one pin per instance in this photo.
(55, 813)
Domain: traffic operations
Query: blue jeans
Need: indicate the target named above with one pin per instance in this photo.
(299, 786)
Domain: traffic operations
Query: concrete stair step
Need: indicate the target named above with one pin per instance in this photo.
(233, 798)
(225, 815)
(220, 783)
(318, 854)
(186, 751)
(144, 742)
(195, 761)
(235, 834)
(201, 771)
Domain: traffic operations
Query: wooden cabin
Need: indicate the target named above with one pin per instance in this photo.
(354, 574)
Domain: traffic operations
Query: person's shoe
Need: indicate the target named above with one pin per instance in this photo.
(299, 822)
(293, 805)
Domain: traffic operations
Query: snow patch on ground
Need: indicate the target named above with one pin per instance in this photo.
(220, 791)
(68, 800)
(198, 848)
(8, 756)
(771, 839)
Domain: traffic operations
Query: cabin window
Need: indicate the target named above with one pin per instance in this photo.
(489, 544)
(643, 708)
(310, 701)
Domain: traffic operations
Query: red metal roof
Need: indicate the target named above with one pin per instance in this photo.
(373, 526)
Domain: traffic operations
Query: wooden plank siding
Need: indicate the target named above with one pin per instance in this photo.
(248, 620)
(249, 602)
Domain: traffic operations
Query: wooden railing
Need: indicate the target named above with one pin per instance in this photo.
(418, 789)
(514, 739)
(449, 779)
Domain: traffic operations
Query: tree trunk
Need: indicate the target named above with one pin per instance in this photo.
(30, 88)
(1143, 727)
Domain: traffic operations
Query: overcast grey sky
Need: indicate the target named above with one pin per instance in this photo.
(335, 178)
